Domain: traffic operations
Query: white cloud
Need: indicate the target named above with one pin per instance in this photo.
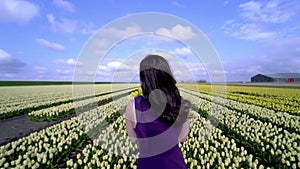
(70, 26)
(100, 52)
(63, 26)
(9, 65)
(121, 33)
(182, 52)
(100, 43)
(70, 62)
(64, 5)
(178, 31)
(4, 55)
(273, 11)
(50, 45)
(177, 4)
(249, 31)
(252, 32)
(40, 69)
(87, 28)
(102, 68)
(19, 11)
(264, 20)
(280, 56)
(229, 22)
(115, 71)
(128, 70)
(10, 75)
(63, 71)
(114, 66)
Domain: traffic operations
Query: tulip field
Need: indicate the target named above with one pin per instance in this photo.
(239, 127)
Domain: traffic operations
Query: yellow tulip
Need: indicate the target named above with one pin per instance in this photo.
(139, 92)
(135, 93)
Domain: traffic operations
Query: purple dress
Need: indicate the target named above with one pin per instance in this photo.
(158, 142)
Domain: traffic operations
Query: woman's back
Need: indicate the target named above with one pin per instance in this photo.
(158, 142)
(157, 128)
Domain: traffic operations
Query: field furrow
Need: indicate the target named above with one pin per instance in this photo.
(273, 145)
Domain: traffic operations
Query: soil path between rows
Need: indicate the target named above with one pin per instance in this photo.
(19, 126)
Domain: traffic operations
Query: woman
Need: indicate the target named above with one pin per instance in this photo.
(157, 120)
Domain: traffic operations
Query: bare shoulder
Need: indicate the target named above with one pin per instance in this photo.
(129, 112)
(130, 102)
(129, 106)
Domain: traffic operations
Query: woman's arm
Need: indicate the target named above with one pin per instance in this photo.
(184, 131)
(130, 120)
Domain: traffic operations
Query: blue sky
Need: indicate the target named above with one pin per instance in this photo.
(42, 40)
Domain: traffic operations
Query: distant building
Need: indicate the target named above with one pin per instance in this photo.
(277, 77)
(201, 81)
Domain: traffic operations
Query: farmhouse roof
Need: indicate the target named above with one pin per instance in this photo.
(283, 75)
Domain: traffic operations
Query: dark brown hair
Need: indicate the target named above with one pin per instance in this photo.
(155, 73)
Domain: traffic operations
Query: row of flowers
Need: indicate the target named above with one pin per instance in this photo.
(51, 146)
(273, 103)
(45, 148)
(208, 147)
(274, 145)
(63, 110)
(205, 147)
(21, 100)
(281, 119)
(281, 99)
(111, 149)
(95, 120)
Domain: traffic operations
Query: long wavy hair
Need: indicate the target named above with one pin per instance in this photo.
(155, 73)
